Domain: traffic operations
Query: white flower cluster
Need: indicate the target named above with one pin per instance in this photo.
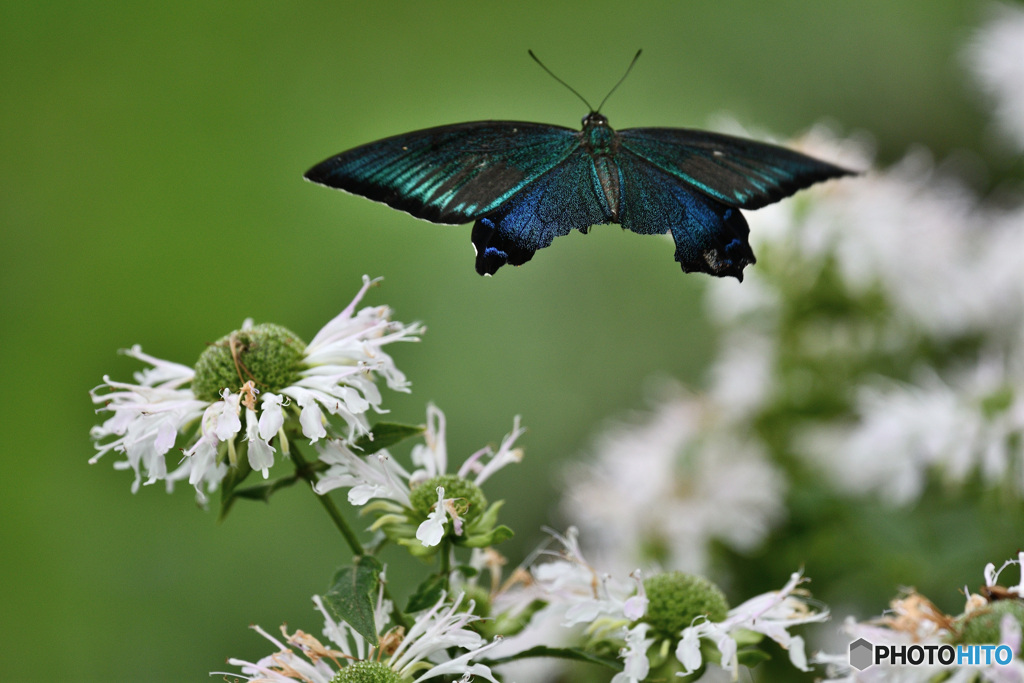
(153, 414)
(924, 263)
(382, 479)
(971, 423)
(950, 269)
(612, 608)
(914, 620)
(674, 481)
(771, 614)
(911, 233)
(996, 56)
(418, 655)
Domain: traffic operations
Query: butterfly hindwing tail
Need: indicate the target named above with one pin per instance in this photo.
(493, 250)
(726, 253)
(710, 237)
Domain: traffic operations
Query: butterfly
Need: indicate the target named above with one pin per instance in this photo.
(524, 184)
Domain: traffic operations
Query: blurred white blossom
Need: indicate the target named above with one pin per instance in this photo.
(995, 55)
(972, 423)
(857, 278)
(662, 487)
(911, 234)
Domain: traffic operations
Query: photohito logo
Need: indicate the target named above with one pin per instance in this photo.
(864, 654)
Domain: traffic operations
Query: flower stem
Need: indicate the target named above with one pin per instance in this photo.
(445, 557)
(305, 471)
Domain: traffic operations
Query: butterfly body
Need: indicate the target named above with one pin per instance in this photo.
(524, 184)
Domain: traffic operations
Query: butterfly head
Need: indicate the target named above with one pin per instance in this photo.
(598, 137)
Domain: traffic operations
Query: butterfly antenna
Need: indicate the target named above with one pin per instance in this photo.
(561, 81)
(628, 69)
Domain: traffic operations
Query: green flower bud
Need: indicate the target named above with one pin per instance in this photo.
(982, 626)
(269, 355)
(367, 672)
(469, 499)
(676, 599)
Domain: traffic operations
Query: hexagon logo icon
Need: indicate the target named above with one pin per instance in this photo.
(861, 652)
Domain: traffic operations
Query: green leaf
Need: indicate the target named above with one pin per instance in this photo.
(493, 537)
(353, 596)
(561, 653)
(745, 637)
(235, 476)
(751, 657)
(427, 594)
(467, 571)
(384, 435)
(265, 490)
(487, 520)
(511, 625)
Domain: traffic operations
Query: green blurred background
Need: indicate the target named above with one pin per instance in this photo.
(151, 167)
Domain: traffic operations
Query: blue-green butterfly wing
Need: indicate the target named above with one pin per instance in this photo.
(562, 199)
(450, 174)
(710, 236)
(526, 183)
(737, 172)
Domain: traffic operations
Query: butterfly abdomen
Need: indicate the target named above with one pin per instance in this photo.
(608, 185)
(602, 144)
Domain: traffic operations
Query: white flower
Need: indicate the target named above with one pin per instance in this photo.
(771, 614)
(996, 56)
(431, 531)
(742, 379)
(992, 576)
(379, 478)
(675, 480)
(637, 666)
(616, 611)
(580, 596)
(419, 655)
(333, 374)
(585, 595)
(147, 416)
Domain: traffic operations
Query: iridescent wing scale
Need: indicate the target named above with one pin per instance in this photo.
(560, 200)
(693, 183)
(450, 174)
(710, 236)
(741, 173)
